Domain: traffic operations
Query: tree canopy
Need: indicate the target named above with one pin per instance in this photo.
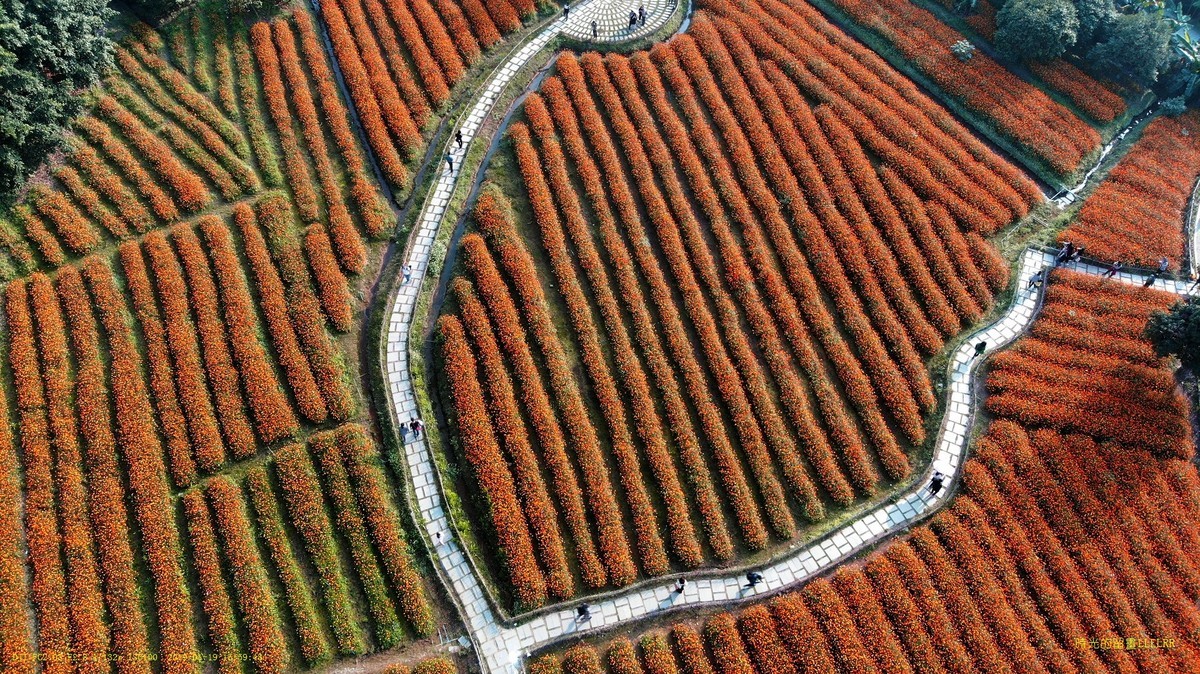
(1036, 29)
(1136, 45)
(1177, 332)
(49, 50)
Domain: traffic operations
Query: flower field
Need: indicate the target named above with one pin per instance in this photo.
(1137, 215)
(1065, 551)
(1015, 108)
(186, 434)
(689, 357)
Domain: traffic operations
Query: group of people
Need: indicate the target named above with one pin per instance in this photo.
(1070, 253)
(637, 18)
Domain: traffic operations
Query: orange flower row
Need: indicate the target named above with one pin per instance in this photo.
(536, 402)
(267, 645)
(200, 159)
(332, 286)
(247, 90)
(362, 460)
(273, 302)
(348, 518)
(295, 588)
(99, 134)
(440, 43)
(97, 175)
(274, 215)
(489, 467)
(302, 494)
(510, 429)
(72, 226)
(89, 634)
(15, 633)
(382, 44)
(42, 536)
(481, 22)
(728, 651)
(649, 427)
(434, 82)
(226, 96)
(273, 416)
(91, 202)
(193, 195)
(142, 455)
(503, 14)
(35, 231)
(214, 597)
(745, 294)
(906, 617)
(729, 386)
(159, 353)
(1084, 91)
(295, 165)
(185, 340)
(377, 218)
(459, 29)
(367, 77)
(519, 266)
(346, 239)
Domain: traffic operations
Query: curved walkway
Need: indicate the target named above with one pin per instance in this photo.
(500, 647)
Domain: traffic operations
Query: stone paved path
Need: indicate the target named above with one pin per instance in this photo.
(501, 648)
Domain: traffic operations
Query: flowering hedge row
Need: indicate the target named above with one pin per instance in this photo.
(366, 72)
(1017, 109)
(303, 495)
(730, 386)
(188, 188)
(489, 466)
(99, 176)
(147, 478)
(1137, 214)
(332, 286)
(313, 646)
(273, 416)
(87, 197)
(460, 29)
(181, 456)
(348, 518)
(435, 93)
(512, 342)
(274, 216)
(481, 23)
(613, 544)
(346, 238)
(184, 340)
(100, 135)
(214, 597)
(1084, 91)
(222, 375)
(295, 165)
(72, 226)
(226, 90)
(274, 305)
(266, 645)
(42, 535)
(15, 652)
(510, 429)
(375, 214)
(247, 90)
(89, 634)
(371, 488)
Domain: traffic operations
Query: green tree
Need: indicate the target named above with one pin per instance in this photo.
(1135, 45)
(1094, 18)
(1176, 332)
(1036, 29)
(156, 11)
(49, 50)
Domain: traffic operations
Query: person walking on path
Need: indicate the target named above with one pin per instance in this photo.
(458, 137)
(632, 18)
(1112, 269)
(1163, 263)
(642, 14)
(753, 578)
(680, 585)
(450, 163)
(935, 484)
(1065, 252)
(595, 30)
(415, 426)
(407, 274)
(583, 613)
(980, 349)
(1037, 279)
(1195, 283)
(1077, 254)
(567, 10)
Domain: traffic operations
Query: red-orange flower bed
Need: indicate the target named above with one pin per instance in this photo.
(1137, 214)
(704, 214)
(1063, 551)
(1017, 109)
